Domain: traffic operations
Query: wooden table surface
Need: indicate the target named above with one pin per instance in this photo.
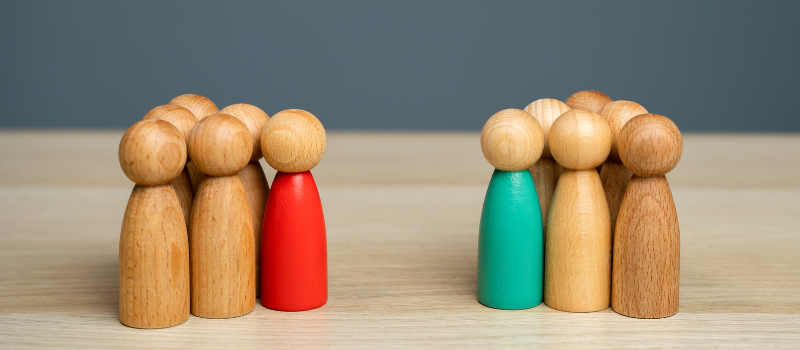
(402, 212)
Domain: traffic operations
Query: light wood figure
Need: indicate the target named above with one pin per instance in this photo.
(184, 120)
(294, 251)
(647, 238)
(201, 107)
(252, 176)
(546, 170)
(153, 245)
(578, 238)
(613, 174)
(221, 243)
(589, 100)
(511, 240)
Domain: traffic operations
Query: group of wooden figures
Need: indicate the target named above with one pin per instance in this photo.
(191, 238)
(578, 212)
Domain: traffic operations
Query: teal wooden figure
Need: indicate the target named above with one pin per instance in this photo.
(511, 243)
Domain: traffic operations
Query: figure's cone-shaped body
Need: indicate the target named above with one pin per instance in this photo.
(294, 260)
(647, 251)
(256, 188)
(511, 245)
(578, 276)
(223, 250)
(154, 260)
(183, 189)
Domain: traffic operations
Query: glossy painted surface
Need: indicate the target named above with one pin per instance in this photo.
(294, 253)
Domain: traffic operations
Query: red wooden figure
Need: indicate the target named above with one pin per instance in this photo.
(294, 257)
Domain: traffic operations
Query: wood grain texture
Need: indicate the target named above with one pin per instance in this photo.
(647, 237)
(254, 118)
(512, 140)
(650, 145)
(293, 141)
(220, 145)
(589, 100)
(256, 188)
(152, 152)
(222, 247)
(183, 189)
(546, 111)
(647, 251)
(153, 260)
(580, 140)
(614, 177)
(199, 105)
(195, 175)
(545, 173)
(182, 119)
(617, 114)
(577, 265)
(252, 175)
(178, 116)
(402, 216)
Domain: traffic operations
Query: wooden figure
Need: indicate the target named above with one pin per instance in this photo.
(201, 107)
(613, 174)
(294, 253)
(510, 246)
(153, 246)
(252, 176)
(221, 241)
(545, 172)
(184, 120)
(588, 100)
(647, 238)
(578, 238)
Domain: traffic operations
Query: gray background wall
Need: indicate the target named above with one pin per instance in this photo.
(442, 65)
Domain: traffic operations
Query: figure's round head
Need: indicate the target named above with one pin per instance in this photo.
(152, 152)
(254, 118)
(546, 111)
(293, 141)
(650, 145)
(580, 140)
(220, 145)
(178, 116)
(617, 113)
(199, 105)
(512, 140)
(589, 100)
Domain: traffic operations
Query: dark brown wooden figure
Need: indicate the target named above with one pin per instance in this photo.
(646, 270)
